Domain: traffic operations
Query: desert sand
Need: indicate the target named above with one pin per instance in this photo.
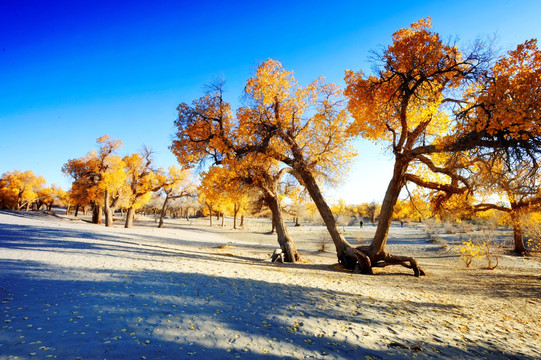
(74, 290)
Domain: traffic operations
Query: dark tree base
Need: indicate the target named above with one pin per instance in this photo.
(358, 260)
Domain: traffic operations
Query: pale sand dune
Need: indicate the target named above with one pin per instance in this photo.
(70, 289)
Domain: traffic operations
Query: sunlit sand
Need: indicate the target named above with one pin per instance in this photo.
(73, 290)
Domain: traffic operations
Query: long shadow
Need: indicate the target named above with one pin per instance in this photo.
(161, 315)
(37, 238)
(54, 310)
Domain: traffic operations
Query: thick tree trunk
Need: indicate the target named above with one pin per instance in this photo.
(242, 221)
(129, 217)
(339, 241)
(350, 257)
(520, 248)
(108, 210)
(97, 214)
(376, 249)
(286, 244)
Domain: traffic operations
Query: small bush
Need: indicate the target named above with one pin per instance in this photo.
(470, 251)
(476, 250)
(323, 242)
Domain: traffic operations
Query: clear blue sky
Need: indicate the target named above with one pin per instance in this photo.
(71, 71)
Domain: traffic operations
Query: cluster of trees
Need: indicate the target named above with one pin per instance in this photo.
(461, 124)
(106, 182)
(23, 190)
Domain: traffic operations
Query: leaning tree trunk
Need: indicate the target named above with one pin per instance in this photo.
(377, 247)
(376, 250)
(520, 248)
(129, 217)
(348, 256)
(286, 244)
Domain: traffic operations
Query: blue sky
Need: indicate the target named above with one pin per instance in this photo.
(71, 71)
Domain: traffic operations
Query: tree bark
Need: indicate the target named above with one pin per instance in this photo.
(286, 244)
(129, 217)
(518, 239)
(377, 247)
(210, 213)
(339, 241)
(235, 213)
(108, 212)
(164, 208)
(97, 214)
(110, 208)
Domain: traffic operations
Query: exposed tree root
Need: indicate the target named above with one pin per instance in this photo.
(405, 261)
(358, 260)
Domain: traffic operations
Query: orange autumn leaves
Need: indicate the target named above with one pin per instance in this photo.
(280, 113)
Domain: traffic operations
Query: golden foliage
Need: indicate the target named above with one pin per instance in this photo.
(403, 103)
(19, 189)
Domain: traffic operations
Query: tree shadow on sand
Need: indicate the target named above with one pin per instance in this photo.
(70, 311)
(47, 310)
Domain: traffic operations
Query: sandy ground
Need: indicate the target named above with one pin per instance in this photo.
(73, 290)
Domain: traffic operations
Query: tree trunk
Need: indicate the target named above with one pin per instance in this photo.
(164, 208)
(339, 241)
(210, 213)
(97, 214)
(376, 249)
(520, 248)
(108, 211)
(129, 217)
(242, 221)
(235, 213)
(350, 257)
(222, 215)
(286, 244)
